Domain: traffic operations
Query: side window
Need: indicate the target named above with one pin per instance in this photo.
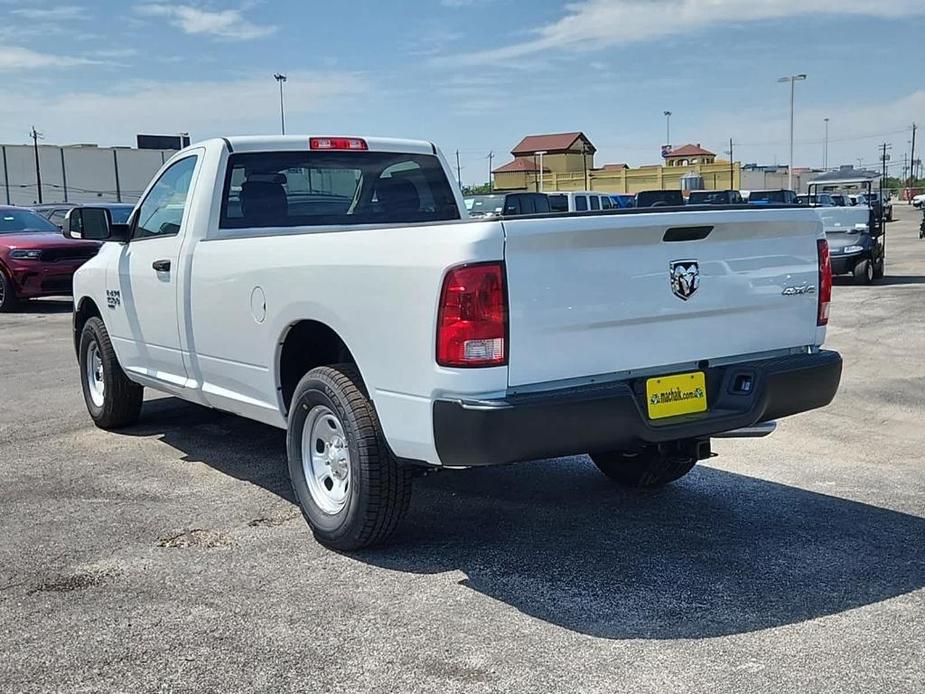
(558, 203)
(512, 205)
(526, 204)
(162, 211)
(57, 217)
(541, 204)
(595, 202)
(606, 203)
(581, 203)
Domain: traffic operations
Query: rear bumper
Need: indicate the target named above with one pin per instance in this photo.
(611, 416)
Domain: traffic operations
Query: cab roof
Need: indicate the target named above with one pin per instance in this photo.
(288, 143)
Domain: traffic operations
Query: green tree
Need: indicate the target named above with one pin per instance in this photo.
(481, 189)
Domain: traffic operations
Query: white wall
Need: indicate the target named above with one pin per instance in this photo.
(88, 173)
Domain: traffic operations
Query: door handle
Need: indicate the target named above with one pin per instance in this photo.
(161, 265)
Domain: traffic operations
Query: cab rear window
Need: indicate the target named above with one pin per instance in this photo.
(286, 189)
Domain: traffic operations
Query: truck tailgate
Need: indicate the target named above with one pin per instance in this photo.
(594, 295)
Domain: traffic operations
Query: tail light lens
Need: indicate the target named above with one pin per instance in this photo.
(825, 281)
(472, 319)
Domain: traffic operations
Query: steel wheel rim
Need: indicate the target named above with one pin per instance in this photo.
(96, 384)
(870, 271)
(326, 459)
(2, 289)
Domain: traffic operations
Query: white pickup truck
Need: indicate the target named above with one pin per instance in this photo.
(333, 287)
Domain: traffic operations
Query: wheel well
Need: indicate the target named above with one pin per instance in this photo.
(308, 344)
(85, 310)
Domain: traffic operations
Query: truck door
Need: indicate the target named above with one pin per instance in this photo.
(144, 325)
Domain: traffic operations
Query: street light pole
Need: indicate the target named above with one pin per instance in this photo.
(668, 129)
(793, 79)
(279, 77)
(825, 149)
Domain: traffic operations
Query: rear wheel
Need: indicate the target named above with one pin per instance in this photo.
(864, 272)
(112, 400)
(351, 490)
(646, 468)
(8, 299)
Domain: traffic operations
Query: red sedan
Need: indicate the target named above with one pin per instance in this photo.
(35, 259)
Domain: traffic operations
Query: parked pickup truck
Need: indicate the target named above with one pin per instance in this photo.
(332, 287)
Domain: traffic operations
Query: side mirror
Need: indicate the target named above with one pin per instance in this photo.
(93, 224)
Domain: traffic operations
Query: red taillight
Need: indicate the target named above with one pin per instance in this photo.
(337, 143)
(825, 281)
(472, 318)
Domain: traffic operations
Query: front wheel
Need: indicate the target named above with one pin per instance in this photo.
(112, 400)
(880, 267)
(864, 272)
(646, 468)
(8, 299)
(352, 491)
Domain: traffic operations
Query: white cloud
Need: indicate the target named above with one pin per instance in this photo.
(227, 24)
(60, 13)
(15, 58)
(206, 109)
(594, 24)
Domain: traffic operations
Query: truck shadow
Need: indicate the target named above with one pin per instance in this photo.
(63, 305)
(888, 280)
(715, 554)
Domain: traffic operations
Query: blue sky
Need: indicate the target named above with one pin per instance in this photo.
(473, 75)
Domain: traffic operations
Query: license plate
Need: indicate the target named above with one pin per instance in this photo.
(670, 396)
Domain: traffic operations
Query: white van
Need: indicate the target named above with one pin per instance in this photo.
(580, 201)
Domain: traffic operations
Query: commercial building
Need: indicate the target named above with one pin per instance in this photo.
(565, 161)
(76, 173)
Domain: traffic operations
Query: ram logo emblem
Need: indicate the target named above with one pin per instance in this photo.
(685, 278)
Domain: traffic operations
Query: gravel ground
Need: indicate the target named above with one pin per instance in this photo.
(170, 557)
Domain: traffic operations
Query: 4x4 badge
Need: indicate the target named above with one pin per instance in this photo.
(685, 278)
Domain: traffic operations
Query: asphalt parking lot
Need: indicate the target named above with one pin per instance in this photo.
(171, 556)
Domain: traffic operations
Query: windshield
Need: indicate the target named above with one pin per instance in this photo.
(14, 221)
(659, 198)
(708, 197)
(773, 196)
(120, 213)
(482, 205)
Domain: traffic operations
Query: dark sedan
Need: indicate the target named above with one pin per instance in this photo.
(35, 259)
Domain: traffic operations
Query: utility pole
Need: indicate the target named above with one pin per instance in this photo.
(280, 77)
(884, 158)
(793, 79)
(491, 155)
(912, 159)
(458, 171)
(825, 149)
(38, 169)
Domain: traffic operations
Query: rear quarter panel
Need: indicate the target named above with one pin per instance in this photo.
(378, 289)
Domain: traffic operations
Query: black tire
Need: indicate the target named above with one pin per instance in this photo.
(121, 398)
(880, 267)
(646, 468)
(378, 488)
(8, 299)
(864, 272)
